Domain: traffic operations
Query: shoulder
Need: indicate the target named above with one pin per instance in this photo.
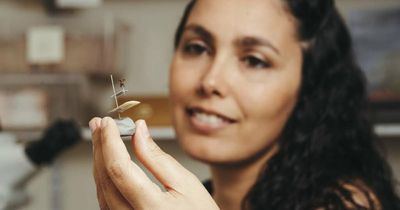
(356, 195)
(362, 195)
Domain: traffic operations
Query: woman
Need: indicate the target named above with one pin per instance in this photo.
(266, 92)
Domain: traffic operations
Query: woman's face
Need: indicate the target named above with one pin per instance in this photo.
(234, 79)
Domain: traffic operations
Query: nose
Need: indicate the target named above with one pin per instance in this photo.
(214, 80)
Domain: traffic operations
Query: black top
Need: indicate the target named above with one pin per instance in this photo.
(208, 185)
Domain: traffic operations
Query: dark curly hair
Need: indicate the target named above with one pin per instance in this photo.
(328, 141)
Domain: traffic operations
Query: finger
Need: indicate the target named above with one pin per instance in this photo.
(130, 180)
(163, 166)
(113, 198)
(94, 125)
(110, 197)
(97, 174)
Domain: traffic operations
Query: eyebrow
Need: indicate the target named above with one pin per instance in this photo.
(201, 31)
(255, 41)
(247, 41)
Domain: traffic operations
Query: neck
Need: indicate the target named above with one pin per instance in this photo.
(232, 183)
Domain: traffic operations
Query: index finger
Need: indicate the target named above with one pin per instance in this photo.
(128, 177)
(94, 125)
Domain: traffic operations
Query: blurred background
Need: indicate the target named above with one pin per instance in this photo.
(56, 57)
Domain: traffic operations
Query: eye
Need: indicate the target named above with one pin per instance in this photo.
(194, 48)
(255, 62)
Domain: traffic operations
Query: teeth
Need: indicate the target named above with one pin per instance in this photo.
(208, 118)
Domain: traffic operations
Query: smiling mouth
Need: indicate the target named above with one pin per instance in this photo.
(208, 117)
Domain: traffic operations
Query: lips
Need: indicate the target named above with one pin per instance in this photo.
(208, 116)
(208, 121)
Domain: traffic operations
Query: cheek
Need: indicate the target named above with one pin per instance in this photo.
(272, 103)
(268, 106)
(276, 96)
(179, 82)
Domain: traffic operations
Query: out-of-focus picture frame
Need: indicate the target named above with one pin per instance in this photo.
(375, 34)
(30, 102)
(23, 108)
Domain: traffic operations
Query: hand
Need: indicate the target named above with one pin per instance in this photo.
(122, 185)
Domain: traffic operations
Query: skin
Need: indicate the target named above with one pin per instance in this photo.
(229, 63)
(122, 185)
(256, 85)
(219, 68)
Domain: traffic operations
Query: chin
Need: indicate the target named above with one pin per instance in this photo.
(225, 153)
(213, 151)
(202, 148)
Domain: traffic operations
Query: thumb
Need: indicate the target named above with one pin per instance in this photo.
(163, 166)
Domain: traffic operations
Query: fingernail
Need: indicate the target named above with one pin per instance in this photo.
(104, 122)
(143, 129)
(92, 127)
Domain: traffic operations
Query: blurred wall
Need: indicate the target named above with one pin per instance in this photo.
(69, 184)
